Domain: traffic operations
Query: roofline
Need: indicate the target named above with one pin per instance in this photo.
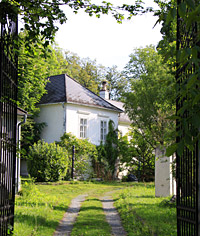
(93, 93)
(79, 104)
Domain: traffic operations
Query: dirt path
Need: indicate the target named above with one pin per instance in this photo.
(112, 216)
(66, 225)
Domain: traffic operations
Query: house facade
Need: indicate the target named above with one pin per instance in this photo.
(70, 107)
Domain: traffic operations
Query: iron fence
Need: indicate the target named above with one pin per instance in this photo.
(187, 170)
(8, 121)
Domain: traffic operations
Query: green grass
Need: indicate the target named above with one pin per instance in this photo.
(91, 220)
(143, 214)
(41, 207)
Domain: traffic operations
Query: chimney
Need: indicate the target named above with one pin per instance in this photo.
(104, 93)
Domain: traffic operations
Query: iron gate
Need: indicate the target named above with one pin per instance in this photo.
(188, 162)
(8, 119)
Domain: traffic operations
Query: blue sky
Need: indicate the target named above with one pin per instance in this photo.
(104, 39)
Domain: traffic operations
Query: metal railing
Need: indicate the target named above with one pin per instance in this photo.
(187, 165)
(8, 121)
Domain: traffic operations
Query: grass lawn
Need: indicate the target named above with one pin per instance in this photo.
(41, 207)
(143, 214)
(91, 220)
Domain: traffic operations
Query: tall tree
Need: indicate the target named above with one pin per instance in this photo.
(34, 67)
(151, 99)
(117, 83)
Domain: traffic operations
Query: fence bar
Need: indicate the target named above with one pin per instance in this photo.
(8, 122)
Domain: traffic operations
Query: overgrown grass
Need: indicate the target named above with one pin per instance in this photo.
(143, 214)
(41, 207)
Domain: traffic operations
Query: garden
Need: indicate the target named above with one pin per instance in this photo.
(40, 207)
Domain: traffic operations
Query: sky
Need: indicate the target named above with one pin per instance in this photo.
(104, 40)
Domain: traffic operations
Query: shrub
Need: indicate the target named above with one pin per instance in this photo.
(85, 152)
(47, 162)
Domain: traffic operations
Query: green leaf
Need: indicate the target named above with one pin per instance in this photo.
(171, 149)
(180, 147)
(182, 9)
(190, 4)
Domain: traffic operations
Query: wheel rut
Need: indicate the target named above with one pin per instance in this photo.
(112, 216)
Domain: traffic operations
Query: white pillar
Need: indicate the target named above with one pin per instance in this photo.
(164, 182)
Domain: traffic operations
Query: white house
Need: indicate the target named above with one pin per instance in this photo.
(70, 107)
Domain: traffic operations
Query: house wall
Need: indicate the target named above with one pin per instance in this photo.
(53, 116)
(60, 118)
(93, 115)
(124, 128)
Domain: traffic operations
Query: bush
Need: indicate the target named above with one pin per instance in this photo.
(47, 162)
(85, 152)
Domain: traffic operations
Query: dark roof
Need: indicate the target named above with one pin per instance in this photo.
(62, 88)
(123, 116)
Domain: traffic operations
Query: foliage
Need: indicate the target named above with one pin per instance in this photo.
(85, 71)
(30, 133)
(90, 75)
(35, 66)
(117, 83)
(33, 70)
(47, 162)
(188, 98)
(144, 159)
(187, 59)
(151, 99)
(40, 17)
(167, 45)
(101, 165)
(111, 147)
(85, 152)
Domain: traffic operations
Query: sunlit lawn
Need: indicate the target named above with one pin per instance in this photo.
(41, 207)
(143, 214)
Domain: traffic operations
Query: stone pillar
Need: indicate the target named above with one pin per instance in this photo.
(165, 184)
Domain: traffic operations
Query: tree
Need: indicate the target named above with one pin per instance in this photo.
(111, 148)
(142, 161)
(34, 67)
(85, 71)
(117, 83)
(151, 99)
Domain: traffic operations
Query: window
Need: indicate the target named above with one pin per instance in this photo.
(83, 128)
(103, 130)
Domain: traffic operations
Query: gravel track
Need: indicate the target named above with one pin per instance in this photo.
(112, 216)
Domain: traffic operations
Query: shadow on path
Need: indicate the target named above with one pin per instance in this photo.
(112, 216)
(66, 224)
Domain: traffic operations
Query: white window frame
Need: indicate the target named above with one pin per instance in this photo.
(103, 130)
(83, 127)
